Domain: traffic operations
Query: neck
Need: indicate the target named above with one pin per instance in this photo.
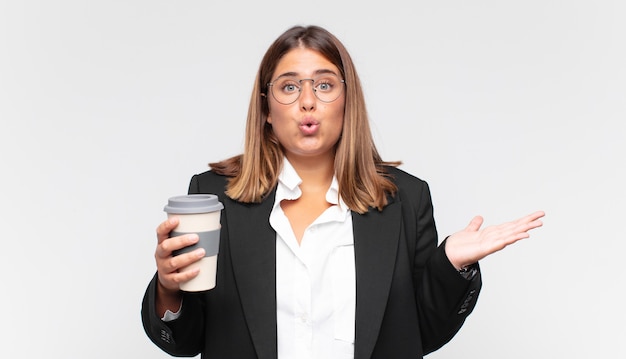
(315, 172)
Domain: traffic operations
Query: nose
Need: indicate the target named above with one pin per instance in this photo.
(307, 95)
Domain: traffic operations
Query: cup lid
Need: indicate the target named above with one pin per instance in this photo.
(193, 203)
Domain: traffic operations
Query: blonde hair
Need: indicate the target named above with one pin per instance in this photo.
(363, 180)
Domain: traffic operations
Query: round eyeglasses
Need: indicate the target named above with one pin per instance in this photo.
(287, 89)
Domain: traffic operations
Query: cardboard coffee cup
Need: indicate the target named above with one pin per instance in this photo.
(200, 214)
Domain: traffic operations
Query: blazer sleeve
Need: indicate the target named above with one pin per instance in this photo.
(445, 298)
(184, 336)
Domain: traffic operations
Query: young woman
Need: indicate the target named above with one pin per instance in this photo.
(326, 250)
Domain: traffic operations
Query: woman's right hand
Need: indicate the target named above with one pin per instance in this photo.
(169, 267)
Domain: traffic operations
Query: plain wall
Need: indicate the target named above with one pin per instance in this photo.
(108, 107)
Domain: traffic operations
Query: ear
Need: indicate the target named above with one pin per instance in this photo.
(269, 116)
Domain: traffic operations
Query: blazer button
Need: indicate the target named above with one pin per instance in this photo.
(165, 336)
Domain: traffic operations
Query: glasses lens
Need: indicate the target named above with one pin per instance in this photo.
(286, 90)
(327, 88)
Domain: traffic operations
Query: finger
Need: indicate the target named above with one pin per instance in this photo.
(169, 245)
(532, 217)
(178, 277)
(164, 229)
(474, 224)
(536, 221)
(176, 263)
(514, 231)
(511, 231)
(530, 221)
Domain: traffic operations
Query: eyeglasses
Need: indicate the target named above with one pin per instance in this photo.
(287, 89)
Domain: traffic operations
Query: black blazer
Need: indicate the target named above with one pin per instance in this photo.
(410, 299)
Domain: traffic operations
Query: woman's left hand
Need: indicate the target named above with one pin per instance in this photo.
(473, 244)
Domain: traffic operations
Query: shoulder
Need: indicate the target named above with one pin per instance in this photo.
(208, 182)
(405, 180)
(412, 190)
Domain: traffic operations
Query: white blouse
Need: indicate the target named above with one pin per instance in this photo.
(316, 280)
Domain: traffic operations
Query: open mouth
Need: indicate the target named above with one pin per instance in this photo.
(309, 127)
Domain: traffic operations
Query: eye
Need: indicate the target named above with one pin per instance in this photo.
(290, 88)
(324, 86)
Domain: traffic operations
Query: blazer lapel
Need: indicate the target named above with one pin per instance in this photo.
(376, 237)
(253, 247)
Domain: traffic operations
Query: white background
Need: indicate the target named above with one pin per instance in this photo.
(108, 107)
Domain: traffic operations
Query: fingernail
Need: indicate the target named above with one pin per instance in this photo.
(200, 252)
(193, 238)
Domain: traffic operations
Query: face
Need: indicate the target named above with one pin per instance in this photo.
(307, 127)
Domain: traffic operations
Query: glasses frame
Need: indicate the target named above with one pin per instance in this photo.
(271, 88)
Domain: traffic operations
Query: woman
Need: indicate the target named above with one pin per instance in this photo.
(326, 250)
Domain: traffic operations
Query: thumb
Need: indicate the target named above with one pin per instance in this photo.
(474, 224)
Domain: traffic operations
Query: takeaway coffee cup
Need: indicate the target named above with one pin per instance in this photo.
(198, 213)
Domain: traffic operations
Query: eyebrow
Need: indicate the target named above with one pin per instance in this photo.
(317, 72)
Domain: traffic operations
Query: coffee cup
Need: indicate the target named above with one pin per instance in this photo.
(200, 214)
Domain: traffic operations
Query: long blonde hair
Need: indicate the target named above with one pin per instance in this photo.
(363, 180)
